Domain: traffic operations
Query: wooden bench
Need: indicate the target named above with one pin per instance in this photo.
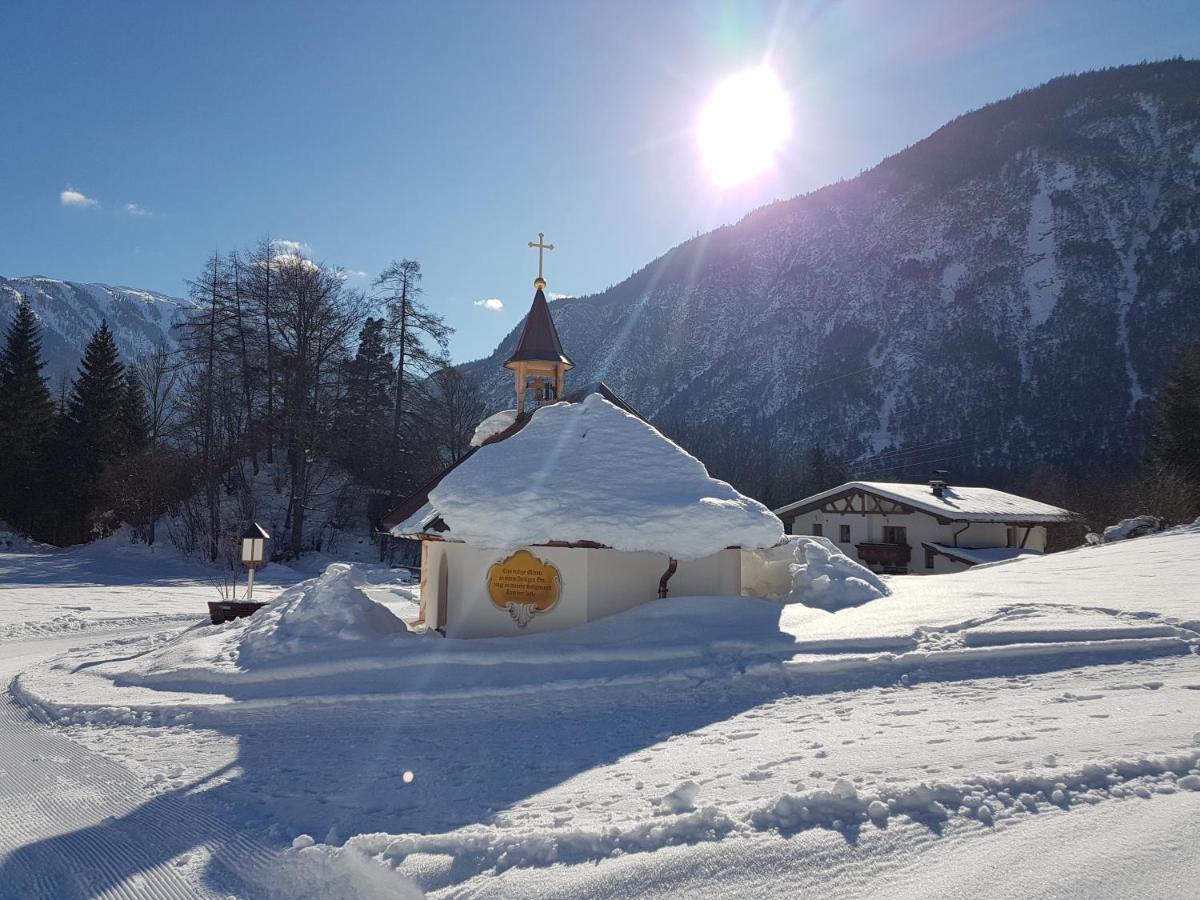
(228, 610)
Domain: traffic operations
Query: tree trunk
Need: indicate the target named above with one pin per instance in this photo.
(247, 392)
(211, 495)
(394, 456)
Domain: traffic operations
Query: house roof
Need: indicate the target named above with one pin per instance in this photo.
(958, 504)
(405, 519)
(979, 555)
(539, 338)
(416, 522)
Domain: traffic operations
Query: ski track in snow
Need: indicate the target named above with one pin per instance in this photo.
(76, 823)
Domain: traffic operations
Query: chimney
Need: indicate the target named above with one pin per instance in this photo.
(938, 483)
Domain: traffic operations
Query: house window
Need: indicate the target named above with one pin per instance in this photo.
(895, 534)
(844, 534)
(817, 530)
(928, 558)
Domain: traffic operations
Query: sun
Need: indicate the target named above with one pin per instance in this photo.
(744, 124)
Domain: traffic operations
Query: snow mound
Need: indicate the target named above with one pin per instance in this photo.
(592, 472)
(814, 572)
(493, 425)
(304, 630)
(1135, 527)
(329, 608)
(13, 541)
(831, 580)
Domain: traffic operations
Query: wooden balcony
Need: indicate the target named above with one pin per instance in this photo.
(884, 554)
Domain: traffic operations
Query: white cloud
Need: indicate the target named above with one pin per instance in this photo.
(72, 197)
(295, 248)
(491, 304)
(554, 296)
(135, 209)
(282, 260)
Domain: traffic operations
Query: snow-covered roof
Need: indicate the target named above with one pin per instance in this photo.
(417, 522)
(980, 555)
(493, 425)
(962, 504)
(591, 472)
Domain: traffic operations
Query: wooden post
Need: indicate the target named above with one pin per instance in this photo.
(424, 581)
(250, 584)
(520, 375)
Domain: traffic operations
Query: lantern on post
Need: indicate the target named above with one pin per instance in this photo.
(254, 545)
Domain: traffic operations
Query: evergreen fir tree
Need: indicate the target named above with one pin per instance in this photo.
(26, 419)
(95, 409)
(135, 415)
(364, 419)
(1178, 440)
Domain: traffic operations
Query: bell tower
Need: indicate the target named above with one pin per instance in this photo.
(538, 364)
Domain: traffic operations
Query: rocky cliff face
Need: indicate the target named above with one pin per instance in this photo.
(70, 312)
(1009, 292)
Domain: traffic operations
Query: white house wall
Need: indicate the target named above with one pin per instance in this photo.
(920, 528)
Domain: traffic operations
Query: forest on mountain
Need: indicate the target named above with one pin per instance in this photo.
(1004, 299)
(291, 399)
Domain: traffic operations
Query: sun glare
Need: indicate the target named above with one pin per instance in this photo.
(743, 126)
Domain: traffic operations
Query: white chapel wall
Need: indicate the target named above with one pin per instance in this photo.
(471, 613)
(619, 581)
(595, 583)
(719, 575)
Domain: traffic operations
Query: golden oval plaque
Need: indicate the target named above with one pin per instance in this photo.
(524, 586)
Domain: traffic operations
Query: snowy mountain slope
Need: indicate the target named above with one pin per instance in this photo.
(71, 311)
(1015, 285)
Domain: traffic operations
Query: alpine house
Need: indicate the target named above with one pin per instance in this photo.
(924, 528)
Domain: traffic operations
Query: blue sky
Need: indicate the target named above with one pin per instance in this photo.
(453, 132)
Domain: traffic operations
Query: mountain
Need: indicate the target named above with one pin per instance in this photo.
(70, 312)
(1007, 293)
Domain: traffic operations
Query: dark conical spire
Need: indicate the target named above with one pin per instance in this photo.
(539, 338)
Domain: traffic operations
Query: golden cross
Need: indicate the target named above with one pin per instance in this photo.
(542, 246)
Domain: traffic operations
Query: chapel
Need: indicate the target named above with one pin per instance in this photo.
(570, 506)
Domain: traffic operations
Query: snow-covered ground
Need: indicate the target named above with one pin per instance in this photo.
(1024, 729)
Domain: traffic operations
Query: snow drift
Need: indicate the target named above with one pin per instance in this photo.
(814, 572)
(310, 624)
(831, 580)
(1135, 527)
(329, 608)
